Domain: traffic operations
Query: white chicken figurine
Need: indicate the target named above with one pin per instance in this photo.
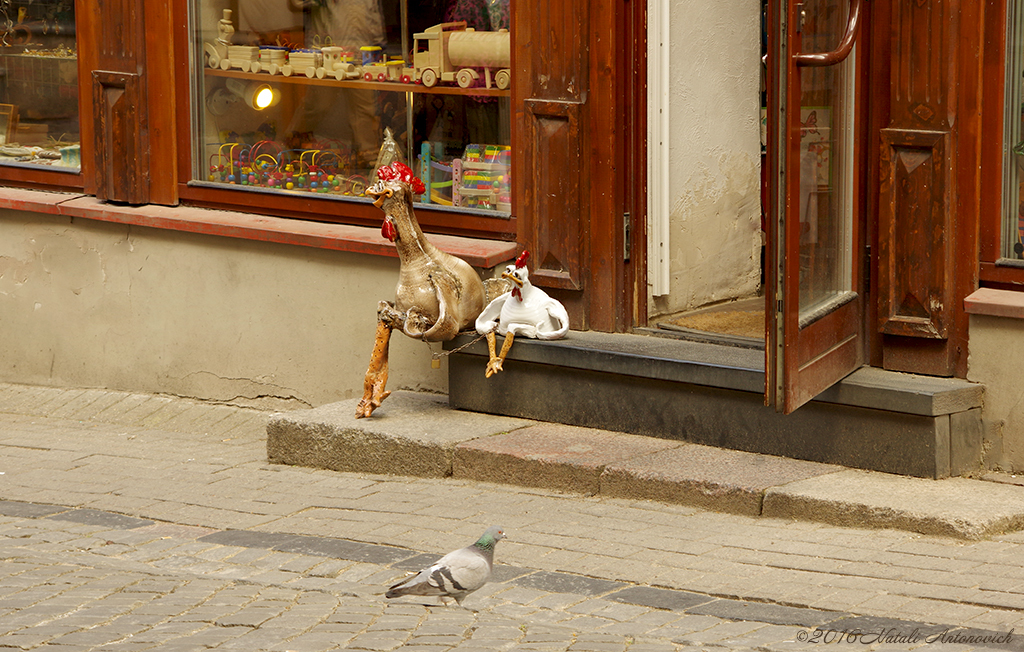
(525, 310)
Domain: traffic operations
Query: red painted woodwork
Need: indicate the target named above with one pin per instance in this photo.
(805, 354)
(991, 273)
(915, 234)
(579, 84)
(929, 193)
(121, 146)
(573, 94)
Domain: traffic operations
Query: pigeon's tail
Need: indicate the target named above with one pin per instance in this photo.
(413, 585)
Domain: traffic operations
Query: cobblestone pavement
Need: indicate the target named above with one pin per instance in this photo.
(136, 522)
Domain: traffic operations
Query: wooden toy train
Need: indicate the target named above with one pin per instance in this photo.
(449, 52)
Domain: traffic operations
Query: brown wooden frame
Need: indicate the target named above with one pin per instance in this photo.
(802, 360)
(580, 115)
(433, 219)
(928, 57)
(992, 114)
(136, 126)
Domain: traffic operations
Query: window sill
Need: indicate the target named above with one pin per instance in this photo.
(337, 237)
(995, 303)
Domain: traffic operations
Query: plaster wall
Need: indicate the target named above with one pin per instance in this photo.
(93, 304)
(714, 145)
(995, 360)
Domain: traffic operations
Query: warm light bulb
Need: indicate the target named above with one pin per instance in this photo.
(264, 98)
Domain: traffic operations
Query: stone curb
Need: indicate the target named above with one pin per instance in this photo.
(419, 435)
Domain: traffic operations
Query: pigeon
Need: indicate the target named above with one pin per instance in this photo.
(455, 575)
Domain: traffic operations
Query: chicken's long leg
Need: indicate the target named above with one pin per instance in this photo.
(377, 372)
(494, 365)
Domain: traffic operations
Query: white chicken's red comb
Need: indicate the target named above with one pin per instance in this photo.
(521, 261)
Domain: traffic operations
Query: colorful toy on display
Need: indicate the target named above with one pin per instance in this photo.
(480, 179)
(267, 165)
(437, 294)
(526, 310)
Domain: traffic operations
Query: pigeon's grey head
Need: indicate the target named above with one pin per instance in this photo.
(491, 536)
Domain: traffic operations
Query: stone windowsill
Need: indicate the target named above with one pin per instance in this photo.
(995, 303)
(338, 237)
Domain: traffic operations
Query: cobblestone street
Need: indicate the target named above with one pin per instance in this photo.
(133, 522)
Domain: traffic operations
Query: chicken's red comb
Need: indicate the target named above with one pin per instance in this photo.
(401, 172)
(523, 257)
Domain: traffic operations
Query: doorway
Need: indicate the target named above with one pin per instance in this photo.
(807, 264)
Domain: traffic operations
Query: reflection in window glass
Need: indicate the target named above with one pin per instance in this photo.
(312, 96)
(1013, 135)
(826, 165)
(39, 85)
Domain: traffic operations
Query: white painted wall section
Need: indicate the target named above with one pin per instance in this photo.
(711, 188)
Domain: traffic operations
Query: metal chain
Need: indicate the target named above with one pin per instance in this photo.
(438, 356)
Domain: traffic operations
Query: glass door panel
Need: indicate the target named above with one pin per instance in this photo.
(826, 166)
(815, 312)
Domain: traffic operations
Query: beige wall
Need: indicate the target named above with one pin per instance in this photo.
(997, 360)
(91, 304)
(714, 153)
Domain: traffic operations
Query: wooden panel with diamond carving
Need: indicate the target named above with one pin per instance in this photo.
(929, 132)
(914, 234)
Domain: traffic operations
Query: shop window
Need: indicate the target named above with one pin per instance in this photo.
(309, 97)
(39, 122)
(1012, 249)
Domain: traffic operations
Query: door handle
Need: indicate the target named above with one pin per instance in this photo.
(845, 46)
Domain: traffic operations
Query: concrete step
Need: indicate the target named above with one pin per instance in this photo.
(420, 435)
(713, 394)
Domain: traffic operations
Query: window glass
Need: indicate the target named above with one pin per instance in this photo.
(1013, 135)
(39, 85)
(312, 96)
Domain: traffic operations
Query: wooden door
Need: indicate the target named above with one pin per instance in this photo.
(815, 264)
(578, 94)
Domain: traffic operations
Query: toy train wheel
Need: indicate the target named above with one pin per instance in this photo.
(503, 79)
(465, 78)
(406, 79)
(382, 77)
(225, 64)
(429, 78)
(368, 76)
(256, 66)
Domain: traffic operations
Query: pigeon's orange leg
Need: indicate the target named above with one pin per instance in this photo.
(376, 373)
(494, 365)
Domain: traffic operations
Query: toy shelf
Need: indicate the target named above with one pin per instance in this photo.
(395, 87)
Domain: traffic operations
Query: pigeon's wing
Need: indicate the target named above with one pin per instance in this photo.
(464, 570)
(418, 584)
(456, 574)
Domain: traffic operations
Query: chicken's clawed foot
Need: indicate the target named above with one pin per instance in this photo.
(377, 373)
(495, 362)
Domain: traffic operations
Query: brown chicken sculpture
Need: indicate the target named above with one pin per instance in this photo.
(437, 294)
